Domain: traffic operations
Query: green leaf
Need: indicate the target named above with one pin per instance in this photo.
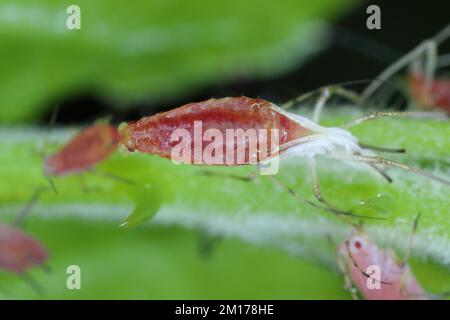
(128, 53)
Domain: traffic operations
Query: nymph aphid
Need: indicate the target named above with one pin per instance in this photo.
(83, 152)
(377, 273)
(20, 251)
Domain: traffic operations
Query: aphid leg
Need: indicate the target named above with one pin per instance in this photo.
(325, 93)
(51, 183)
(377, 115)
(291, 191)
(327, 205)
(318, 193)
(348, 284)
(34, 198)
(83, 185)
(404, 261)
(390, 163)
(410, 242)
(381, 172)
(250, 177)
(36, 286)
(343, 268)
(426, 46)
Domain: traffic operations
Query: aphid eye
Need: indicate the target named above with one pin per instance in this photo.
(357, 244)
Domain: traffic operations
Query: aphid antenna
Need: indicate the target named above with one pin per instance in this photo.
(427, 47)
(390, 163)
(357, 266)
(27, 208)
(380, 114)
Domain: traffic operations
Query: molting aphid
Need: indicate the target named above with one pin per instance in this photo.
(299, 136)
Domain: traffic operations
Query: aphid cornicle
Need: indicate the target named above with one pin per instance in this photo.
(88, 148)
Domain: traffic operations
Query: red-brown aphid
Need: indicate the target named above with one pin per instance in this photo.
(153, 134)
(19, 251)
(88, 148)
(436, 96)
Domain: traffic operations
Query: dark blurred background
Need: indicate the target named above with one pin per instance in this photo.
(354, 53)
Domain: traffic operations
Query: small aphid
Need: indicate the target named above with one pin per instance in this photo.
(376, 273)
(19, 251)
(428, 91)
(436, 96)
(299, 136)
(88, 148)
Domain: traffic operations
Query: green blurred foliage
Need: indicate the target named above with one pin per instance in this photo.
(129, 52)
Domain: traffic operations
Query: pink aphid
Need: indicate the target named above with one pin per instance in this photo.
(377, 274)
(19, 251)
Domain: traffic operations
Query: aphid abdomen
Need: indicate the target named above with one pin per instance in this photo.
(19, 251)
(91, 146)
(221, 118)
(438, 95)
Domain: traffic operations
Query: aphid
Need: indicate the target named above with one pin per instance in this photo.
(430, 92)
(88, 148)
(19, 251)
(299, 136)
(437, 96)
(376, 273)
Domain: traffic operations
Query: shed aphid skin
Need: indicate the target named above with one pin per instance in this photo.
(428, 91)
(299, 136)
(358, 259)
(20, 251)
